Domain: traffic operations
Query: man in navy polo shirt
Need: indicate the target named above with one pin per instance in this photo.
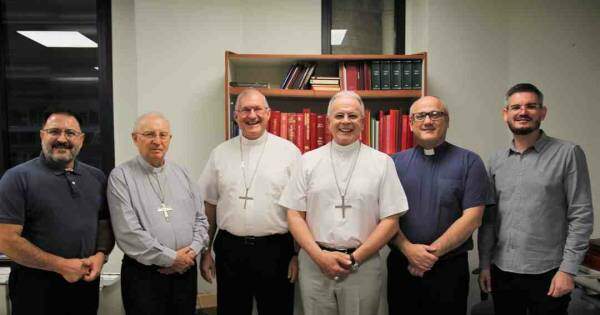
(447, 188)
(54, 225)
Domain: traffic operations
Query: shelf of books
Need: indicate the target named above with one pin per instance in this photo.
(298, 88)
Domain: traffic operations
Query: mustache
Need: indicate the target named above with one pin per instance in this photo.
(522, 117)
(62, 145)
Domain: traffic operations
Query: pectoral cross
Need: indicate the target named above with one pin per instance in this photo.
(246, 198)
(165, 210)
(343, 206)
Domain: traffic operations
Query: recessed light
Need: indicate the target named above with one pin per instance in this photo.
(60, 39)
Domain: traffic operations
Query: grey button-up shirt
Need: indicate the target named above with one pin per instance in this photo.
(544, 215)
(141, 230)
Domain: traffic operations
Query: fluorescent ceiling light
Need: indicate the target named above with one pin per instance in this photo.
(60, 39)
(337, 37)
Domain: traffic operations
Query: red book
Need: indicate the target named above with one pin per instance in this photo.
(381, 134)
(291, 127)
(352, 75)
(367, 75)
(394, 130)
(406, 134)
(366, 133)
(284, 126)
(274, 123)
(300, 131)
(321, 130)
(313, 131)
(307, 134)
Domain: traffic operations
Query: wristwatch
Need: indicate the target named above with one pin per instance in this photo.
(353, 263)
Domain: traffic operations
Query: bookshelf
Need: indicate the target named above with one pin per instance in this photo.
(271, 71)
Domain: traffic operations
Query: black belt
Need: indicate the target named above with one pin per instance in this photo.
(253, 240)
(341, 250)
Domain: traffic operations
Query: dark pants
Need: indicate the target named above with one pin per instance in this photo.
(145, 291)
(515, 294)
(34, 291)
(442, 290)
(254, 268)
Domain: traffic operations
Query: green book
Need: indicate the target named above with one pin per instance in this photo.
(375, 75)
(386, 75)
(406, 74)
(417, 75)
(396, 75)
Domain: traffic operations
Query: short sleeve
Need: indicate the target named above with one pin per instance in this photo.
(476, 192)
(12, 198)
(392, 198)
(208, 182)
(294, 194)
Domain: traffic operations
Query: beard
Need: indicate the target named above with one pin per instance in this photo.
(60, 160)
(524, 130)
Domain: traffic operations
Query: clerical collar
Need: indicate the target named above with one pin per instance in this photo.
(436, 150)
(345, 149)
(149, 167)
(257, 141)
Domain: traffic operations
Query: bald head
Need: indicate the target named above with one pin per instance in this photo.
(143, 119)
(429, 101)
(250, 93)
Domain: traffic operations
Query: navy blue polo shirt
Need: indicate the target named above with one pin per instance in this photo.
(438, 188)
(59, 210)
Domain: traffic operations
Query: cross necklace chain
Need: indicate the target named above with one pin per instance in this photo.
(343, 206)
(161, 196)
(248, 185)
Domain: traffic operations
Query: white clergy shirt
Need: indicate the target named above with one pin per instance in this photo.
(222, 184)
(374, 193)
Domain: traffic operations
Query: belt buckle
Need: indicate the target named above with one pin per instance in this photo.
(249, 240)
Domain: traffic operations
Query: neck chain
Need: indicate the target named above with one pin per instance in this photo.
(160, 192)
(350, 172)
(248, 185)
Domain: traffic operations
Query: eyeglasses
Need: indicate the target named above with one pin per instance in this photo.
(433, 115)
(245, 111)
(150, 135)
(527, 107)
(57, 132)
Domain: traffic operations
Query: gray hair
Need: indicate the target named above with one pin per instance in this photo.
(444, 107)
(245, 93)
(137, 122)
(350, 94)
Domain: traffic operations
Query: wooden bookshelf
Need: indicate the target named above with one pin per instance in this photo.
(272, 69)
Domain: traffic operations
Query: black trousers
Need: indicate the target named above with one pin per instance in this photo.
(442, 290)
(250, 268)
(34, 291)
(145, 291)
(515, 294)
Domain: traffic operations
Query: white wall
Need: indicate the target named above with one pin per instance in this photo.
(478, 49)
(169, 56)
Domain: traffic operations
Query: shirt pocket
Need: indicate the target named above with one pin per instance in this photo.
(450, 193)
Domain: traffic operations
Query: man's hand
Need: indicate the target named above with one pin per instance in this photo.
(420, 256)
(95, 264)
(293, 269)
(184, 260)
(485, 280)
(334, 264)
(416, 272)
(562, 283)
(73, 269)
(207, 266)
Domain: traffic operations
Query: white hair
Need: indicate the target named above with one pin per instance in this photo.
(350, 94)
(137, 122)
(245, 93)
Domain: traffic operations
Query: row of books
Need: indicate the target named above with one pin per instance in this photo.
(404, 74)
(387, 131)
(382, 75)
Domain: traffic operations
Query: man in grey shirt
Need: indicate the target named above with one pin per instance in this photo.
(532, 242)
(159, 223)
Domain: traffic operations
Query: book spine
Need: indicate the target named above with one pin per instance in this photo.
(376, 75)
(274, 123)
(367, 75)
(292, 128)
(385, 75)
(313, 131)
(300, 131)
(396, 75)
(320, 130)
(417, 69)
(284, 126)
(352, 76)
(406, 74)
(405, 133)
(307, 134)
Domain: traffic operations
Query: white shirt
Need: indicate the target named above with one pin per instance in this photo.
(374, 193)
(222, 184)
